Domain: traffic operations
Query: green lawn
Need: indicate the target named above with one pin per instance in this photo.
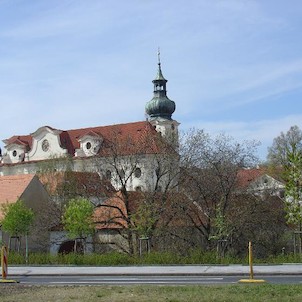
(240, 292)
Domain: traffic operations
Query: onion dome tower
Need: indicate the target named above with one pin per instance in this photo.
(160, 106)
(160, 109)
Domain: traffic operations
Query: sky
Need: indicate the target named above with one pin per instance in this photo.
(233, 66)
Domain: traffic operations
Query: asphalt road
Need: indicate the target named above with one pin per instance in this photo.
(149, 280)
(165, 274)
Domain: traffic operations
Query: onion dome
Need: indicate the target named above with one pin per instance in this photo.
(160, 106)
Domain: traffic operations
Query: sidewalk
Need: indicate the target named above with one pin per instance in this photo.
(203, 270)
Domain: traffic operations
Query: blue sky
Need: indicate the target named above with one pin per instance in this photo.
(233, 66)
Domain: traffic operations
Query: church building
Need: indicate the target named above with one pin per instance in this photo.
(132, 147)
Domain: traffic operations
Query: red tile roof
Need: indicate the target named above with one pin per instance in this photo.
(128, 138)
(13, 186)
(111, 214)
(89, 133)
(20, 140)
(137, 137)
(246, 176)
(82, 183)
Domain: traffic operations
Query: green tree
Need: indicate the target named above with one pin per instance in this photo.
(284, 144)
(293, 188)
(17, 219)
(286, 152)
(293, 191)
(78, 221)
(144, 219)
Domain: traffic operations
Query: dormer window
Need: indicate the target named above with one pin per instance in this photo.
(45, 145)
(122, 173)
(88, 145)
(137, 172)
(108, 175)
(15, 152)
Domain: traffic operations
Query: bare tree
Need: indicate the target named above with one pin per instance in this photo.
(260, 219)
(283, 144)
(146, 164)
(209, 177)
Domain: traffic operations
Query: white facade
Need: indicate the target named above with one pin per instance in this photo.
(267, 184)
(46, 149)
(46, 144)
(168, 129)
(58, 238)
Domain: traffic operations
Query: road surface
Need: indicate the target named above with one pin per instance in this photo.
(149, 280)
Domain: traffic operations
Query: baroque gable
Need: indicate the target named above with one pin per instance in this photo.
(90, 144)
(43, 144)
(46, 144)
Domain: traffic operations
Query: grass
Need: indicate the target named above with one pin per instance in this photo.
(267, 292)
(111, 259)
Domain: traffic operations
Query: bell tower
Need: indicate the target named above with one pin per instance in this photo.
(160, 109)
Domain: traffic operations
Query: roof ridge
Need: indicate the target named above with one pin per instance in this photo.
(107, 126)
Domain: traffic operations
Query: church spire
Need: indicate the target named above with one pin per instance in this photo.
(160, 106)
(159, 75)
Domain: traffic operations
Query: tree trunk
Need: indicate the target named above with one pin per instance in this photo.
(26, 249)
(130, 242)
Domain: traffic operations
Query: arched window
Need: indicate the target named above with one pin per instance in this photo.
(108, 174)
(137, 172)
(45, 145)
(88, 145)
(122, 173)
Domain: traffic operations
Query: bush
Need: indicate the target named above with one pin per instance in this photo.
(154, 258)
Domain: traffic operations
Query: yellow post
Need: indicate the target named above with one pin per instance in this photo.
(251, 260)
(251, 280)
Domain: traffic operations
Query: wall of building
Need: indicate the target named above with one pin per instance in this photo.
(58, 238)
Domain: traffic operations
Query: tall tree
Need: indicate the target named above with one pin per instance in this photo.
(286, 152)
(285, 143)
(260, 219)
(293, 190)
(146, 164)
(78, 220)
(210, 169)
(17, 220)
